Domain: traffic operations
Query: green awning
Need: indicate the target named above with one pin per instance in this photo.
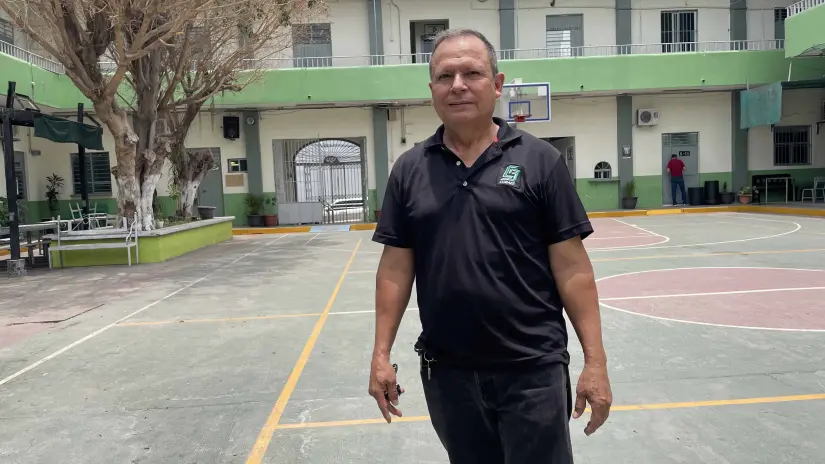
(62, 130)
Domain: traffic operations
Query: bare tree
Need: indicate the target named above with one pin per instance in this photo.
(223, 50)
(77, 33)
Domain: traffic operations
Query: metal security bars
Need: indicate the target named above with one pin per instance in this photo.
(327, 175)
(6, 32)
(779, 17)
(98, 173)
(678, 31)
(564, 35)
(791, 145)
(312, 45)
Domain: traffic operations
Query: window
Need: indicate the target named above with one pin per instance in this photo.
(678, 31)
(602, 171)
(564, 35)
(98, 174)
(779, 16)
(312, 45)
(236, 165)
(6, 31)
(791, 145)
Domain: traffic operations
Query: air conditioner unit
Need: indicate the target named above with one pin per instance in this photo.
(647, 117)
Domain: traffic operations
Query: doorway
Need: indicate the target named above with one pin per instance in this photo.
(685, 145)
(567, 147)
(210, 191)
(422, 36)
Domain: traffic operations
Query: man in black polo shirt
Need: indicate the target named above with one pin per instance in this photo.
(487, 221)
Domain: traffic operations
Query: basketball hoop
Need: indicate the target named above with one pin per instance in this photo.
(520, 117)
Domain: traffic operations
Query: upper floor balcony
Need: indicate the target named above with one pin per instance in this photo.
(806, 29)
(803, 5)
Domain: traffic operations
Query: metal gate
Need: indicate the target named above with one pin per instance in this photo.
(326, 179)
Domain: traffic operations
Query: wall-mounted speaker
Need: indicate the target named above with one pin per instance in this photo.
(231, 127)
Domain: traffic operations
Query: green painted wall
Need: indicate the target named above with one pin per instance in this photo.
(598, 195)
(803, 178)
(152, 249)
(805, 31)
(621, 73)
(649, 191)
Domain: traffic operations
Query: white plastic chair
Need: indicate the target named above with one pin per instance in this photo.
(819, 187)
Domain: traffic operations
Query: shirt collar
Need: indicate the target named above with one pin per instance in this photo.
(506, 134)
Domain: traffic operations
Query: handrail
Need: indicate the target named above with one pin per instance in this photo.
(803, 5)
(414, 58)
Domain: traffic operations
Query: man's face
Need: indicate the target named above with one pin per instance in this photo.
(462, 83)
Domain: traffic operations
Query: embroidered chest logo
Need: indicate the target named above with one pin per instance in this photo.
(510, 176)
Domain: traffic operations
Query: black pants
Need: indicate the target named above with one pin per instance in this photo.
(501, 417)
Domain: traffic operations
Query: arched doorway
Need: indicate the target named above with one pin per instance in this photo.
(329, 172)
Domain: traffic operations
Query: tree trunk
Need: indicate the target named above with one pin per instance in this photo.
(191, 170)
(128, 189)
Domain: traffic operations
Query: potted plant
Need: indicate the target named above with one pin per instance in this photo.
(206, 212)
(746, 195)
(270, 217)
(726, 197)
(630, 199)
(159, 220)
(54, 184)
(254, 205)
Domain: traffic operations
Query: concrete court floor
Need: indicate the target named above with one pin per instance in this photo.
(194, 361)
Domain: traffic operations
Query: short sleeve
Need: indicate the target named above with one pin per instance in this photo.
(393, 227)
(564, 212)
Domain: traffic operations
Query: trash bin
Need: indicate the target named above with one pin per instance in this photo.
(712, 192)
(695, 196)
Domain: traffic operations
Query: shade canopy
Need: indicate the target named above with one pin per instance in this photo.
(62, 130)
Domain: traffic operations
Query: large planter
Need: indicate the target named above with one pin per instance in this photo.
(629, 202)
(270, 220)
(727, 197)
(745, 199)
(255, 220)
(206, 212)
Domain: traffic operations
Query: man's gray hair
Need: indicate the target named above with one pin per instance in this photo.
(451, 33)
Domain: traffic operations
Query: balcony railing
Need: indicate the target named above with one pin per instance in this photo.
(799, 7)
(29, 57)
(518, 54)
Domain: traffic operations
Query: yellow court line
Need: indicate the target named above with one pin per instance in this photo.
(629, 407)
(217, 319)
(262, 443)
(704, 255)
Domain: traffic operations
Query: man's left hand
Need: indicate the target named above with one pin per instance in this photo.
(593, 388)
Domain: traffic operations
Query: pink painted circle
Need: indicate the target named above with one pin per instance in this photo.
(750, 297)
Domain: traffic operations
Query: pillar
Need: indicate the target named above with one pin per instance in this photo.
(252, 145)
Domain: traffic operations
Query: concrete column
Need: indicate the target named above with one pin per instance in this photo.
(379, 115)
(738, 146)
(624, 103)
(507, 25)
(252, 145)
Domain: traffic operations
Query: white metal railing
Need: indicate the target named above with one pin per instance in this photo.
(29, 57)
(803, 5)
(397, 59)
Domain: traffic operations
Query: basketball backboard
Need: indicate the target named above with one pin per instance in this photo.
(530, 102)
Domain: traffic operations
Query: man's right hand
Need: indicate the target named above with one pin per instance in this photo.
(383, 387)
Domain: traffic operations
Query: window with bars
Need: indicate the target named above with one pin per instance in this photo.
(603, 170)
(564, 35)
(679, 32)
(791, 145)
(779, 17)
(6, 31)
(312, 45)
(98, 174)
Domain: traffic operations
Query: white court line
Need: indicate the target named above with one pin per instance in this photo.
(669, 319)
(313, 238)
(101, 330)
(619, 236)
(646, 246)
(732, 292)
(798, 226)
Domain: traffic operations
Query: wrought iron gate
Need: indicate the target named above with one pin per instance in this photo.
(327, 176)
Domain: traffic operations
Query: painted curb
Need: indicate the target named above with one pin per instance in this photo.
(779, 210)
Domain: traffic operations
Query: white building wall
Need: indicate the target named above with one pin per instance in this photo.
(760, 17)
(592, 121)
(598, 16)
(397, 15)
(713, 19)
(313, 123)
(799, 107)
(414, 125)
(709, 114)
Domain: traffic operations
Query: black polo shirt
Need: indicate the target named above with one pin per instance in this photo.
(480, 236)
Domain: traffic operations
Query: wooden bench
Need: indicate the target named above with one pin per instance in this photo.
(131, 241)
